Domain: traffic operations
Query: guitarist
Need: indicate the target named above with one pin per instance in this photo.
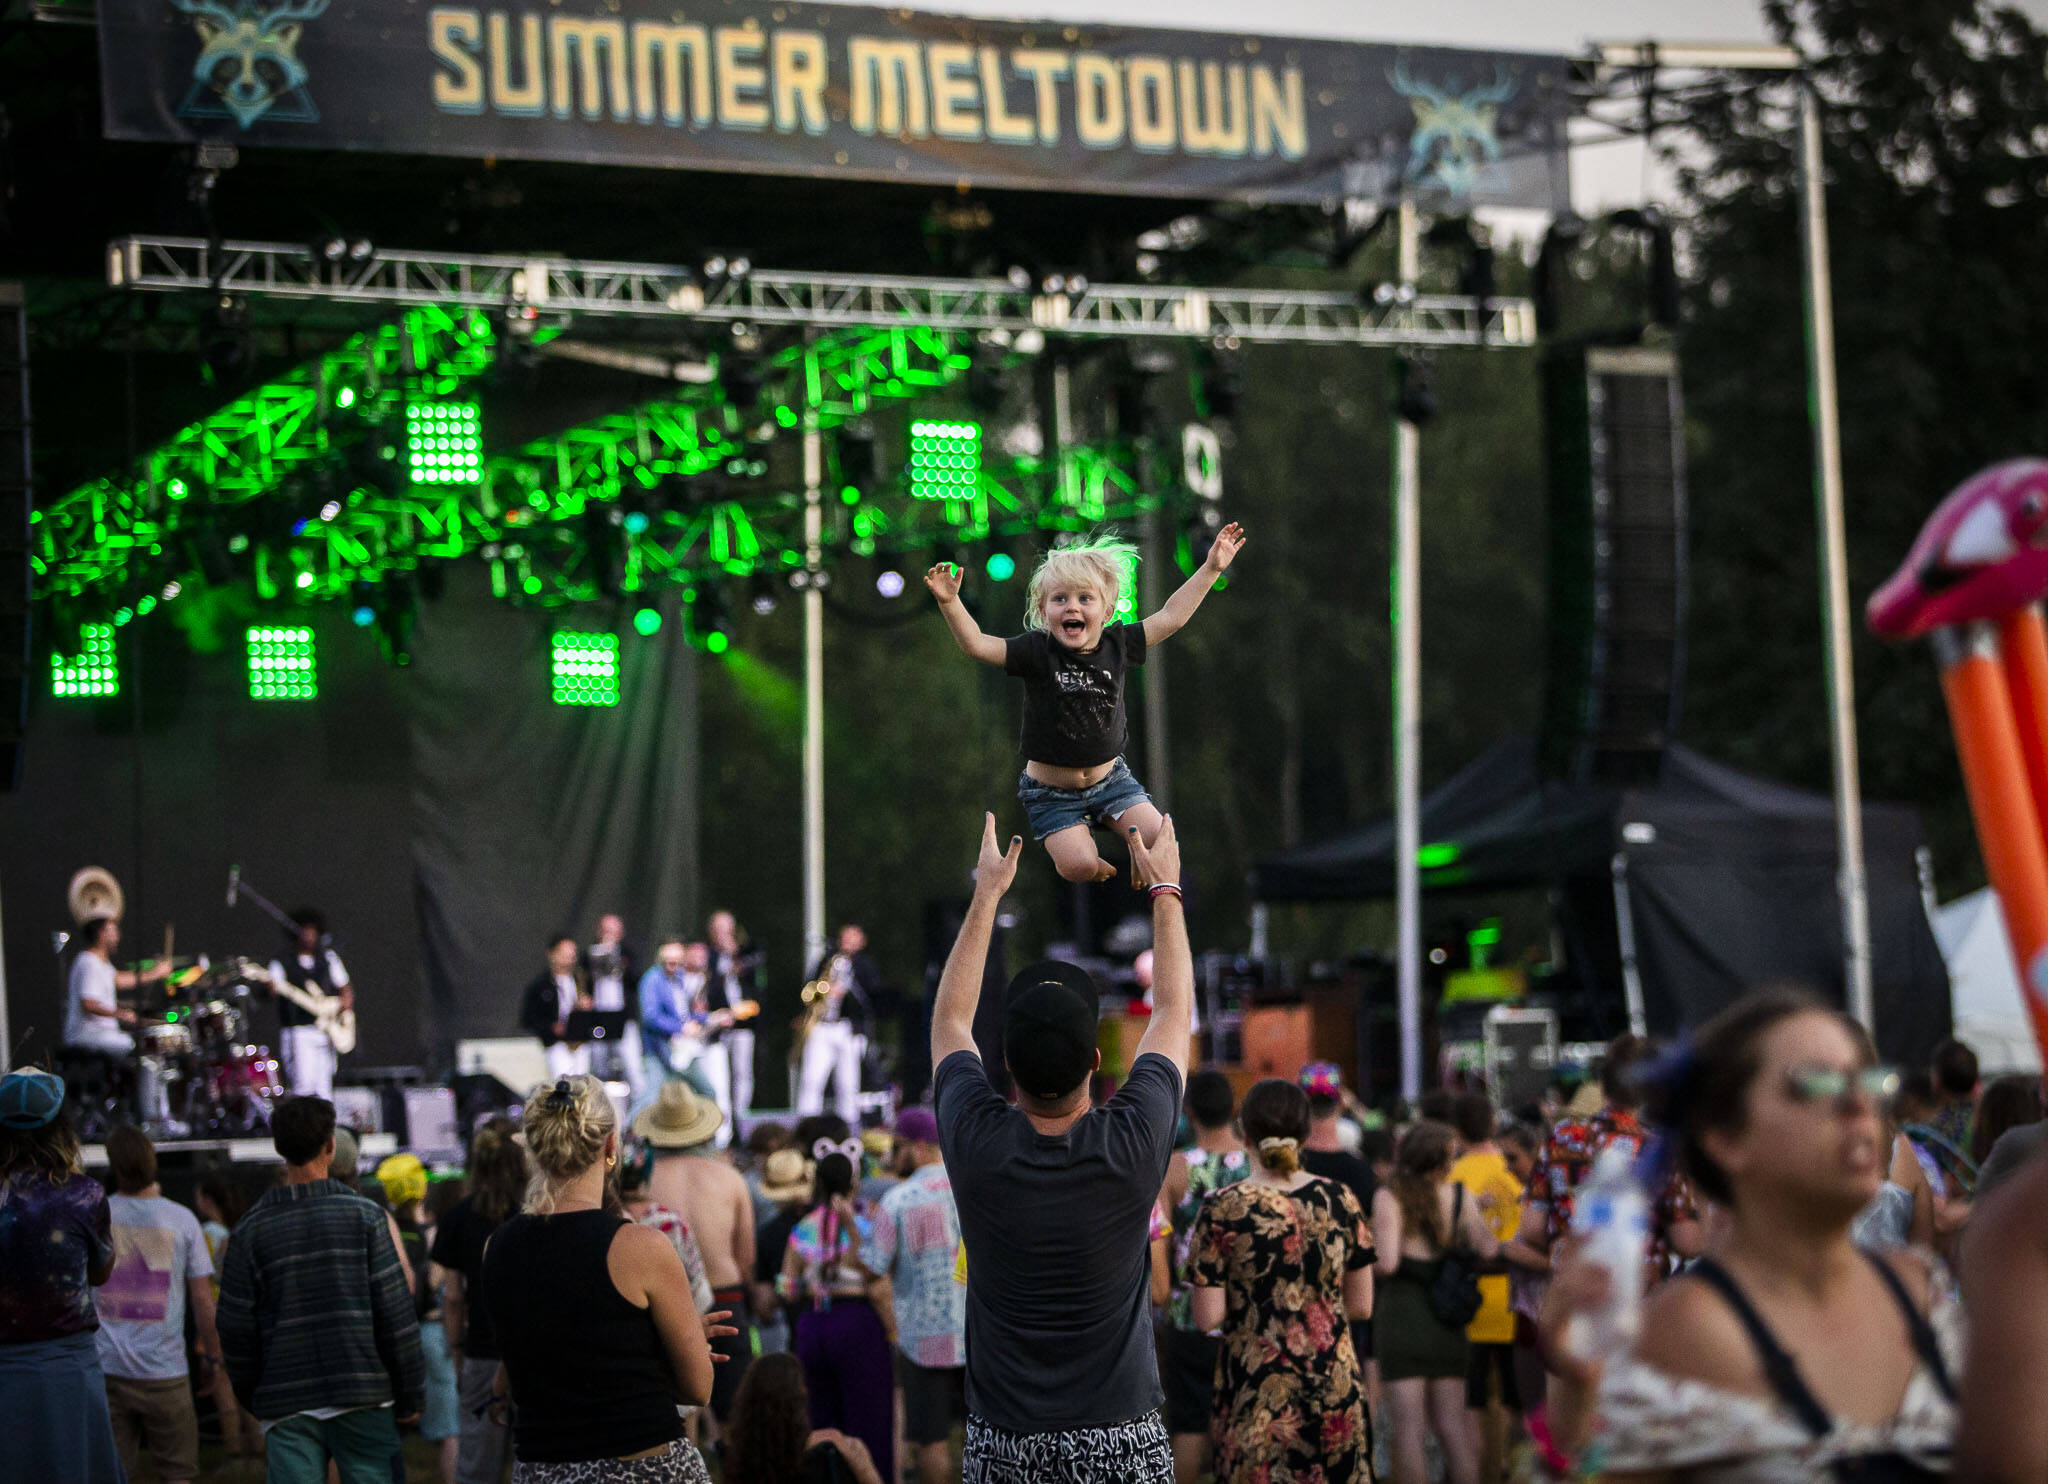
(308, 962)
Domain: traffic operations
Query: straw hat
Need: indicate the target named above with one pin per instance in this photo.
(679, 1118)
(786, 1176)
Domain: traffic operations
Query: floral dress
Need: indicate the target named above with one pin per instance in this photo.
(1289, 1406)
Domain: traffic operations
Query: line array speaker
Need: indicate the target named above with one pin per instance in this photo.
(1615, 472)
(15, 499)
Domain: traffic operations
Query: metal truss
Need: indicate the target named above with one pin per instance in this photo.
(819, 300)
(295, 490)
(210, 481)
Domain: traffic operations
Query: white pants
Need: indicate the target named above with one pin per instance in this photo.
(832, 1053)
(308, 1061)
(738, 1046)
(565, 1060)
(711, 1062)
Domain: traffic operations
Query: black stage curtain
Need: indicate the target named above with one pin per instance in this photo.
(446, 816)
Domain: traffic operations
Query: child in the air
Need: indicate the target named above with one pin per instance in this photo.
(1072, 661)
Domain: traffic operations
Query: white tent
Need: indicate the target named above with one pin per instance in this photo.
(1984, 987)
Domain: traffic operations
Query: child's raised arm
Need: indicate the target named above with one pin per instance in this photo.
(944, 581)
(1179, 608)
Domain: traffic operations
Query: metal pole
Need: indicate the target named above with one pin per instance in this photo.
(814, 691)
(1158, 752)
(1625, 936)
(1825, 411)
(1407, 635)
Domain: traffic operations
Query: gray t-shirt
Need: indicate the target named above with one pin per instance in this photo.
(1059, 1326)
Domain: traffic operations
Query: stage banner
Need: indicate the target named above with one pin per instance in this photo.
(842, 90)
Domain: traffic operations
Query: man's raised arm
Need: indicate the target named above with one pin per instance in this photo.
(1173, 964)
(960, 985)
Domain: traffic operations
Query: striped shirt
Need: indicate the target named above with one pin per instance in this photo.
(314, 1311)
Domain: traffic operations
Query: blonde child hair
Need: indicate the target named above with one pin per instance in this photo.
(1099, 562)
(566, 1124)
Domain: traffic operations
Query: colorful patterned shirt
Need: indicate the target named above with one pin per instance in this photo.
(913, 1241)
(1207, 1174)
(827, 1270)
(1567, 1160)
(52, 1235)
(671, 1225)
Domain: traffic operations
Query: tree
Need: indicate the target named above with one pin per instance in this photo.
(1936, 143)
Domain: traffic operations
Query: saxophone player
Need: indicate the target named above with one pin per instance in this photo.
(850, 982)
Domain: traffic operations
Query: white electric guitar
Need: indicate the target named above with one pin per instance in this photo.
(329, 1016)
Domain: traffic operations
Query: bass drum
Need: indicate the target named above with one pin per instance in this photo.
(241, 1086)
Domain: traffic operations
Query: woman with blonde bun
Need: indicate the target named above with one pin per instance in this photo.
(1280, 1261)
(599, 1336)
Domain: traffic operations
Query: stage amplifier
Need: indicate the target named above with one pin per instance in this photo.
(1615, 476)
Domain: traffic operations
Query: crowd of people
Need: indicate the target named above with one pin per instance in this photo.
(1166, 1282)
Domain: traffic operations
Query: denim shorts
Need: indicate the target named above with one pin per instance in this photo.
(1051, 809)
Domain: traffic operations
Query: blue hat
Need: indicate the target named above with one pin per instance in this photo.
(30, 1099)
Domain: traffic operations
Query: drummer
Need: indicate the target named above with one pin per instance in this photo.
(94, 1017)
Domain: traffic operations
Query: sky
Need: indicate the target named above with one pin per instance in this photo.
(1604, 176)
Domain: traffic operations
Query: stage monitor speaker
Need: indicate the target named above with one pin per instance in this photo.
(1615, 476)
(15, 500)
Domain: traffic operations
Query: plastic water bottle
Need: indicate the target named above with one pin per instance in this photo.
(1611, 1220)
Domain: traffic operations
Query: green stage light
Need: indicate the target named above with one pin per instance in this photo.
(586, 669)
(444, 442)
(1001, 566)
(1127, 600)
(717, 642)
(647, 620)
(281, 664)
(93, 671)
(345, 398)
(945, 460)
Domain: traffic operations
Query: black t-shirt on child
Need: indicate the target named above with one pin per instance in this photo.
(1074, 703)
(1059, 1323)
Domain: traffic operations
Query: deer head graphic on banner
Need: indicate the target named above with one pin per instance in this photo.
(1456, 134)
(249, 56)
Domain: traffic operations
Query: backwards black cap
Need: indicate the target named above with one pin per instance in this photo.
(1049, 1018)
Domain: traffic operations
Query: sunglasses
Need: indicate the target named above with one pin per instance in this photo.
(1815, 1083)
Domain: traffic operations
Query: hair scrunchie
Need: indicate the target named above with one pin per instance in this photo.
(563, 1096)
(1278, 1155)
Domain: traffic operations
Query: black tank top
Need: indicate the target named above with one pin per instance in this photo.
(590, 1379)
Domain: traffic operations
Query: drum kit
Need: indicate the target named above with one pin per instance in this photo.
(193, 1053)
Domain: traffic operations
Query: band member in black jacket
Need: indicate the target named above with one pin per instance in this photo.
(552, 994)
(832, 1049)
(737, 974)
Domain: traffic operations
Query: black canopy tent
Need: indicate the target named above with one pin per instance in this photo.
(1724, 881)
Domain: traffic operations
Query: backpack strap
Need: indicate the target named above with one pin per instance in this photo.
(1925, 1345)
(1780, 1370)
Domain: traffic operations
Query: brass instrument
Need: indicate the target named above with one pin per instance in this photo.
(94, 893)
(818, 997)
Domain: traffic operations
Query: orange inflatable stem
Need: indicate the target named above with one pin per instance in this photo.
(2023, 644)
(1988, 734)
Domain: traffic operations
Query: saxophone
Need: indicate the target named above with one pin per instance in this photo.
(818, 998)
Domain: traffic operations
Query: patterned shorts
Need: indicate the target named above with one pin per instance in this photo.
(1133, 1452)
(682, 1464)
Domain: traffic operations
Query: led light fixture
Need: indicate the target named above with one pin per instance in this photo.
(444, 442)
(281, 664)
(93, 671)
(586, 669)
(945, 460)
